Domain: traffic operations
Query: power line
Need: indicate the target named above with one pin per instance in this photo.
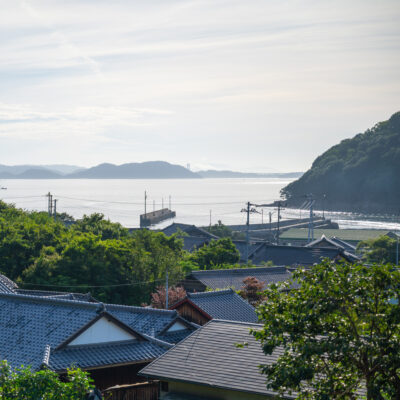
(92, 286)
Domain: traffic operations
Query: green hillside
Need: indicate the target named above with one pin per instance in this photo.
(359, 174)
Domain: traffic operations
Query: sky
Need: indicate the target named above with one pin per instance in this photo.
(250, 85)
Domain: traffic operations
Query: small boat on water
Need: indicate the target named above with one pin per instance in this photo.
(3, 188)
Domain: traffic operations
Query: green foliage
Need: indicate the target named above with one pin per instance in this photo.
(379, 250)
(23, 384)
(339, 331)
(223, 231)
(216, 254)
(35, 251)
(359, 174)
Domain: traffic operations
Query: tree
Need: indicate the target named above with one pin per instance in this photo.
(379, 250)
(222, 231)
(252, 290)
(216, 254)
(24, 384)
(339, 331)
(159, 298)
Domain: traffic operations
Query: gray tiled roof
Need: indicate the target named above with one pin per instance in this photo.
(224, 304)
(209, 357)
(233, 278)
(30, 323)
(191, 230)
(293, 255)
(104, 354)
(191, 243)
(241, 245)
(7, 285)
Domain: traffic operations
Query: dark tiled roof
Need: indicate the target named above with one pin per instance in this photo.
(174, 337)
(30, 323)
(191, 230)
(7, 285)
(224, 304)
(294, 255)
(233, 278)
(345, 245)
(209, 357)
(104, 354)
(241, 246)
(191, 243)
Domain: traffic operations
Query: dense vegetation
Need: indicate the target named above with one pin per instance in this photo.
(359, 174)
(24, 384)
(97, 256)
(339, 332)
(383, 249)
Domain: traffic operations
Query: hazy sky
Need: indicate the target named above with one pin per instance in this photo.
(263, 85)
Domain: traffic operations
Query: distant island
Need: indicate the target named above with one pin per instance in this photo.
(361, 174)
(144, 170)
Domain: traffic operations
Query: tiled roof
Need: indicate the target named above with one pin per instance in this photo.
(90, 356)
(343, 234)
(191, 243)
(224, 304)
(191, 230)
(293, 255)
(233, 278)
(333, 242)
(30, 323)
(7, 285)
(209, 357)
(241, 246)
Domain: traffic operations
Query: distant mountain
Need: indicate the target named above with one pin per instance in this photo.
(145, 170)
(233, 174)
(19, 169)
(361, 174)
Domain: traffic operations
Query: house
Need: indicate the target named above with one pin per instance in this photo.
(190, 230)
(299, 236)
(208, 365)
(112, 342)
(221, 304)
(298, 255)
(199, 281)
(333, 243)
(9, 286)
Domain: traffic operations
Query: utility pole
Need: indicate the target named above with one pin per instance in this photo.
(154, 205)
(170, 203)
(145, 202)
(55, 210)
(210, 218)
(270, 221)
(247, 232)
(323, 206)
(278, 225)
(162, 202)
(166, 290)
(50, 204)
(397, 249)
(311, 223)
(262, 216)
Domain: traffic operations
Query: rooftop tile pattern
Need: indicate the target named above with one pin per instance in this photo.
(30, 323)
(210, 358)
(7, 285)
(224, 304)
(191, 230)
(233, 278)
(293, 255)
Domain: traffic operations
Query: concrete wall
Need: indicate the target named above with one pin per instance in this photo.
(212, 393)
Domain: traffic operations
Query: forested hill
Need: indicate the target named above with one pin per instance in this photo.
(359, 174)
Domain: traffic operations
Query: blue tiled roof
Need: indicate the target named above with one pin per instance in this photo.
(233, 278)
(104, 354)
(30, 323)
(7, 285)
(294, 255)
(224, 304)
(191, 230)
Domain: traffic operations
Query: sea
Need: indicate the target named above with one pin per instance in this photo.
(196, 201)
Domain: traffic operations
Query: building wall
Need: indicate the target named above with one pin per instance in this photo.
(188, 312)
(211, 393)
(123, 375)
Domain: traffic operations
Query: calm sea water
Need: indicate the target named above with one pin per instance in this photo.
(192, 199)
